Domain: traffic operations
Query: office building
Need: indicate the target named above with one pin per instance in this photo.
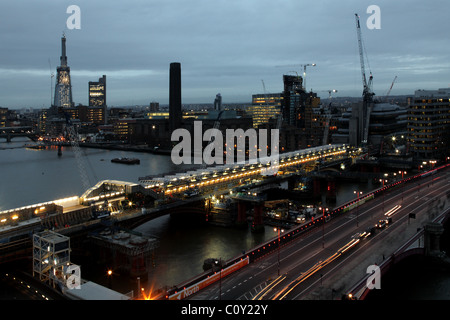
(97, 92)
(3, 116)
(218, 102)
(265, 107)
(154, 106)
(429, 124)
(292, 100)
(386, 120)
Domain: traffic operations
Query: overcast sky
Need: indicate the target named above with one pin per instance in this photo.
(224, 46)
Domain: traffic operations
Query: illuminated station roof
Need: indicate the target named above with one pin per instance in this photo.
(285, 159)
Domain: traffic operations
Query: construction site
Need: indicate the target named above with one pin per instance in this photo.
(125, 251)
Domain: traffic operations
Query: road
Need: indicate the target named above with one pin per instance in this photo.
(316, 255)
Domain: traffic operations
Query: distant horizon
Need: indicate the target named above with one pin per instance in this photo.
(209, 103)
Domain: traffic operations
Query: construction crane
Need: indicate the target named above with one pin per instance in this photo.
(329, 92)
(304, 73)
(389, 91)
(213, 136)
(327, 114)
(51, 82)
(367, 86)
(73, 138)
(278, 126)
(304, 70)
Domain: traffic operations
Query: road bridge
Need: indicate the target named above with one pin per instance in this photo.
(231, 175)
(10, 132)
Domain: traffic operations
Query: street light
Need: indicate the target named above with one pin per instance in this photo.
(278, 230)
(402, 172)
(357, 206)
(323, 225)
(109, 274)
(432, 162)
(219, 264)
(383, 181)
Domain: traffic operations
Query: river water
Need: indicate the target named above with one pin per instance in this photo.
(33, 176)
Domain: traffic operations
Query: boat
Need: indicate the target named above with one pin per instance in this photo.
(126, 160)
(35, 146)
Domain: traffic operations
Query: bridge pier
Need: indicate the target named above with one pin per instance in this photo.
(433, 232)
(138, 267)
(316, 188)
(331, 191)
(242, 214)
(258, 225)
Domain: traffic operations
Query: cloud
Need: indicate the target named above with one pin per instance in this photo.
(225, 46)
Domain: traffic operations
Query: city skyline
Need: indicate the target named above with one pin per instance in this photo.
(223, 47)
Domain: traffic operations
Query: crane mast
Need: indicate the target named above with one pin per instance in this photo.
(364, 117)
(367, 92)
(73, 137)
(389, 91)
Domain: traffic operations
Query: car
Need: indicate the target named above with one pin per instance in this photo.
(356, 236)
(370, 231)
(380, 224)
(383, 223)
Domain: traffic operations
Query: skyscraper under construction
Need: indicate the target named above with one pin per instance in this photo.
(63, 87)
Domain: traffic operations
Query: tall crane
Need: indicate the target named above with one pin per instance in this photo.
(278, 126)
(73, 137)
(213, 136)
(367, 87)
(304, 70)
(327, 114)
(304, 73)
(51, 82)
(389, 91)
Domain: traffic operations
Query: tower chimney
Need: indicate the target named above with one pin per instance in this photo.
(175, 115)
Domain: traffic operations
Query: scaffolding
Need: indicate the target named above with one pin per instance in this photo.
(51, 254)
